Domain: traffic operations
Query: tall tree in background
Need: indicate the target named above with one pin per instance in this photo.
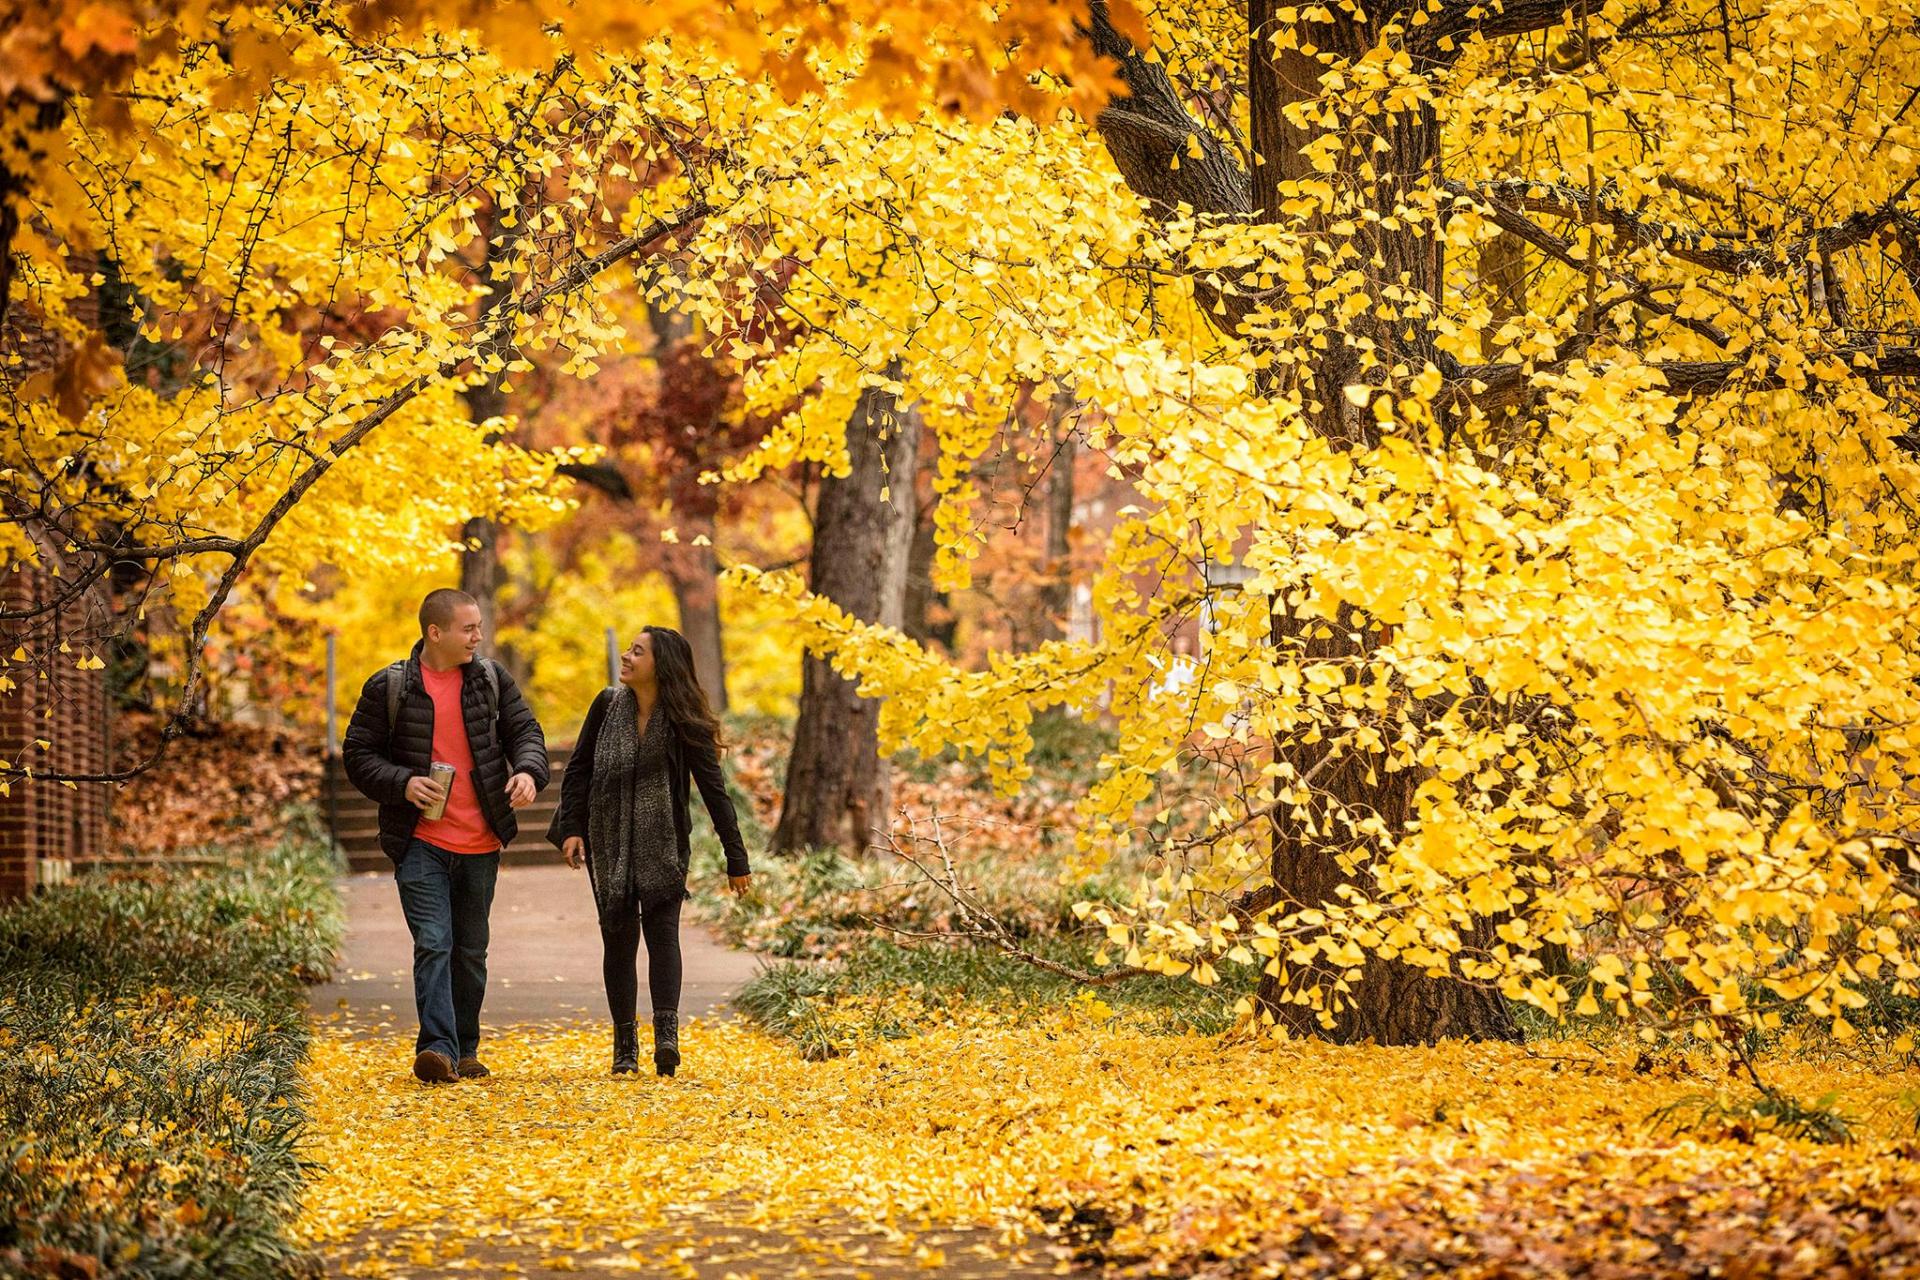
(687, 424)
(486, 402)
(838, 787)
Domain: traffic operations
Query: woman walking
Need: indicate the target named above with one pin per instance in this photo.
(624, 815)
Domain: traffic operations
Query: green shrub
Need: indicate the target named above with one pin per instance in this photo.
(151, 1036)
(785, 999)
(822, 903)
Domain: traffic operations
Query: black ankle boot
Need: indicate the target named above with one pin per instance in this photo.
(626, 1049)
(666, 1043)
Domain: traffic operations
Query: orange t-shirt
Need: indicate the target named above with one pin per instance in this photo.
(463, 827)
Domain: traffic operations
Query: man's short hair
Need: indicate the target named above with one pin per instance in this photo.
(438, 608)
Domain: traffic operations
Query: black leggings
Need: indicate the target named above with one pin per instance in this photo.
(659, 922)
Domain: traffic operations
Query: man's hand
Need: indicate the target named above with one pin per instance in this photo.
(576, 850)
(738, 886)
(423, 792)
(520, 790)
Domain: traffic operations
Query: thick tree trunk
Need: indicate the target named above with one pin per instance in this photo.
(1392, 1003)
(694, 571)
(480, 568)
(838, 788)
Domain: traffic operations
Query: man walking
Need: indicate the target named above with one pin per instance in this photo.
(446, 706)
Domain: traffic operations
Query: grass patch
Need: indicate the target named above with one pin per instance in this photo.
(152, 1033)
(884, 990)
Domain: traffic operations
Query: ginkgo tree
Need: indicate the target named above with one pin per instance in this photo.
(1548, 370)
(973, 58)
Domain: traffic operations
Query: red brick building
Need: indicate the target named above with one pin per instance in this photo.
(45, 824)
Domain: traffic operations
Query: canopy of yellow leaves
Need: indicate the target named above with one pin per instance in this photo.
(971, 58)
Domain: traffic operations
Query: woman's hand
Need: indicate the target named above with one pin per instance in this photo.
(576, 850)
(738, 886)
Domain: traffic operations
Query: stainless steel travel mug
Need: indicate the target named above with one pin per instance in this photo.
(443, 774)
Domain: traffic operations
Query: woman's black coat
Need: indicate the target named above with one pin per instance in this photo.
(686, 765)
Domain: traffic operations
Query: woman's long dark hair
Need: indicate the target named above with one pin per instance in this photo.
(680, 692)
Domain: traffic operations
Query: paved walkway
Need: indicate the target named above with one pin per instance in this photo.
(544, 973)
(543, 963)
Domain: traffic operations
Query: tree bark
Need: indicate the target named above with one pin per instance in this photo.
(921, 597)
(1391, 1002)
(838, 788)
(694, 571)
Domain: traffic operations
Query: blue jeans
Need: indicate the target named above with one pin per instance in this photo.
(446, 897)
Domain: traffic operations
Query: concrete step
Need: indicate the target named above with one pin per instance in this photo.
(519, 854)
(365, 819)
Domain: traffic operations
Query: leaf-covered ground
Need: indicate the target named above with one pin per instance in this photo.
(222, 788)
(1075, 1138)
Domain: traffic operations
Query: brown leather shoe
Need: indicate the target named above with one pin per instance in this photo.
(472, 1068)
(434, 1067)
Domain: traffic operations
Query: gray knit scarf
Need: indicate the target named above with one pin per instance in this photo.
(634, 853)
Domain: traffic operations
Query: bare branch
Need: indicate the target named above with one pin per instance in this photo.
(1724, 253)
(1505, 385)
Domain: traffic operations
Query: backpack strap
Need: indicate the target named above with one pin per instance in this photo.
(396, 686)
(493, 688)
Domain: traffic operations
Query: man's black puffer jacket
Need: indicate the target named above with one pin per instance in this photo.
(381, 763)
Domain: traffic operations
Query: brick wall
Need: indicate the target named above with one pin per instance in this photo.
(69, 710)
